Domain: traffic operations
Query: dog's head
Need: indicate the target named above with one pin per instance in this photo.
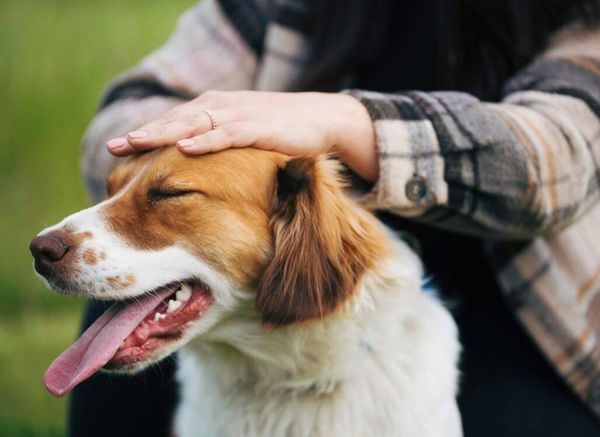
(183, 243)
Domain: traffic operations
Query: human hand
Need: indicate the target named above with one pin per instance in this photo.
(290, 123)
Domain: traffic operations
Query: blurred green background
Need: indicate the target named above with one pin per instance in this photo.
(55, 58)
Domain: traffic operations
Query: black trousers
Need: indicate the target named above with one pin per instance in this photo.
(507, 387)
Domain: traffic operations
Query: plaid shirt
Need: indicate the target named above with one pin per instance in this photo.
(523, 173)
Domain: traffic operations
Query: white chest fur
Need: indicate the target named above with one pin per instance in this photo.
(385, 366)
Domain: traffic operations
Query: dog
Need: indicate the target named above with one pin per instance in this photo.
(294, 310)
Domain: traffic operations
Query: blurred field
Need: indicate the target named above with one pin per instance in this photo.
(55, 58)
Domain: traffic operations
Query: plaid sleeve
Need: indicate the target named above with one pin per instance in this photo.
(525, 166)
(216, 45)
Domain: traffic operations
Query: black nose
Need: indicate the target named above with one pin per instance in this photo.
(48, 249)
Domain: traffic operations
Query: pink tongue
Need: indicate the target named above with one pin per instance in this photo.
(98, 344)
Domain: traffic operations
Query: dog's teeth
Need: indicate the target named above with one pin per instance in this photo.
(173, 305)
(184, 294)
(158, 316)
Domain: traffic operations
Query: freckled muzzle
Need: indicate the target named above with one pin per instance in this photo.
(57, 257)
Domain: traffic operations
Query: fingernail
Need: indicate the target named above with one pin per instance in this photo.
(116, 143)
(185, 143)
(137, 134)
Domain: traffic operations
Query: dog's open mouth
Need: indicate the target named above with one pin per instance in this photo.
(129, 332)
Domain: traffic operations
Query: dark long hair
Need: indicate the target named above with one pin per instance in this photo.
(481, 42)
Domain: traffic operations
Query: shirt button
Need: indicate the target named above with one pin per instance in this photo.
(416, 189)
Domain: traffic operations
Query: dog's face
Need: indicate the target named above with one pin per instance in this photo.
(187, 241)
(164, 215)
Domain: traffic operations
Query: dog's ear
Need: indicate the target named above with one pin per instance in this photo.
(322, 244)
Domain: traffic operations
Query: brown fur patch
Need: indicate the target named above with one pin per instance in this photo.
(119, 283)
(79, 237)
(89, 257)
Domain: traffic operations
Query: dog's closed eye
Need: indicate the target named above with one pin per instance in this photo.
(157, 194)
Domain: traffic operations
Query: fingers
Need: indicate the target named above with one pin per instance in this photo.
(119, 147)
(167, 131)
(239, 134)
(173, 126)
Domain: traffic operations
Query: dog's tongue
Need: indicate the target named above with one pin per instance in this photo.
(98, 344)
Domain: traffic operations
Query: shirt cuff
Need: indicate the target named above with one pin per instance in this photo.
(411, 168)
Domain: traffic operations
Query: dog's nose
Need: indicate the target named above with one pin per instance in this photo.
(48, 249)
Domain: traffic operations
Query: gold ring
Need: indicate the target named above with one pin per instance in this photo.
(213, 121)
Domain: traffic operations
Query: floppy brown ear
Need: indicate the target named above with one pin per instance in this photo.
(322, 244)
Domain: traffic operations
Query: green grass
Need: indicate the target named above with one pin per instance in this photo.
(55, 59)
(28, 342)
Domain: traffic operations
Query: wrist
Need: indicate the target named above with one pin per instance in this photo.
(354, 137)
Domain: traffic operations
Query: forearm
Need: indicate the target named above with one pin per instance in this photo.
(523, 167)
